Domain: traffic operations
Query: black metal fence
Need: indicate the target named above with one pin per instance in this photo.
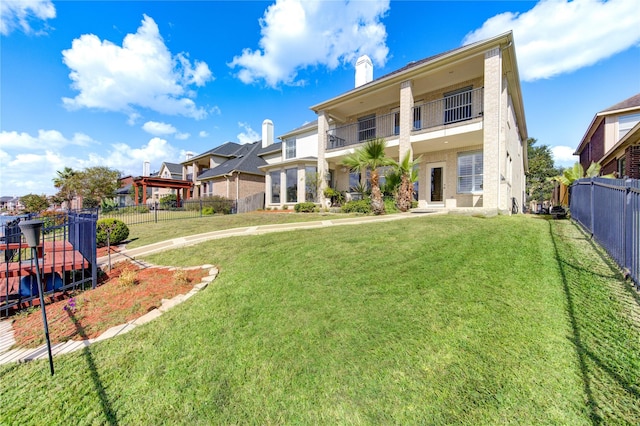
(156, 212)
(610, 210)
(66, 258)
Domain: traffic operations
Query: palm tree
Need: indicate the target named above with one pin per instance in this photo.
(576, 172)
(404, 175)
(370, 157)
(67, 184)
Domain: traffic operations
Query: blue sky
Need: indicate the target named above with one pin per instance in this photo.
(117, 83)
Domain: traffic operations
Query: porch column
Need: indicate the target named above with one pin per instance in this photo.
(323, 166)
(144, 193)
(135, 191)
(406, 119)
(492, 128)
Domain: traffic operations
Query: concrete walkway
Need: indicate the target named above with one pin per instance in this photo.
(174, 243)
(25, 355)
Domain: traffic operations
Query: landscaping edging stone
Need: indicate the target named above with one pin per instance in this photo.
(21, 355)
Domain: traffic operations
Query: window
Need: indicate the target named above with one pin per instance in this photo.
(291, 179)
(354, 181)
(366, 128)
(311, 183)
(396, 123)
(290, 148)
(626, 123)
(275, 187)
(470, 172)
(622, 167)
(457, 105)
(417, 118)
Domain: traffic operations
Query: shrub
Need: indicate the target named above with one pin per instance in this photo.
(305, 207)
(180, 277)
(285, 207)
(207, 211)
(52, 220)
(119, 231)
(390, 205)
(358, 206)
(128, 277)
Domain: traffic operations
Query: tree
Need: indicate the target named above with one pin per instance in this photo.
(369, 158)
(541, 170)
(34, 203)
(98, 183)
(400, 181)
(68, 184)
(576, 172)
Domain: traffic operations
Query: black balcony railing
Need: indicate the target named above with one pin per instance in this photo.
(451, 109)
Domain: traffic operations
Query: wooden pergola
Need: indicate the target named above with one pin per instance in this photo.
(156, 182)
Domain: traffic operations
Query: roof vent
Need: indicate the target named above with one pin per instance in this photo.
(364, 70)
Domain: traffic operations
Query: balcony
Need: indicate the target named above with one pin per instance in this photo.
(452, 109)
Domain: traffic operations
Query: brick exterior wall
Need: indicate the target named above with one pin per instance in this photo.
(632, 157)
(610, 167)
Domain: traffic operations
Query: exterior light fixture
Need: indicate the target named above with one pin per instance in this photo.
(31, 231)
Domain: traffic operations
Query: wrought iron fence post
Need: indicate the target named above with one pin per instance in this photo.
(200, 206)
(155, 212)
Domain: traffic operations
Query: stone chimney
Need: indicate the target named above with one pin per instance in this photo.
(364, 70)
(267, 133)
(146, 169)
(188, 155)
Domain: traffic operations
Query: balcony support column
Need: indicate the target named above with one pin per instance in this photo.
(406, 119)
(323, 166)
(493, 137)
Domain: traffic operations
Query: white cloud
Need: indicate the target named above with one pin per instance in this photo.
(158, 129)
(249, 135)
(46, 139)
(298, 34)
(203, 134)
(563, 156)
(22, 14)
(141, 73)
(32, 172)
(183, 136)
(559, 36)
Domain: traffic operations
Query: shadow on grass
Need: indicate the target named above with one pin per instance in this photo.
(95, 376)
(576, 338)
(592, 315)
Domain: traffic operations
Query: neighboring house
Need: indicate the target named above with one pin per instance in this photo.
(230, 170)
(167, 171)
(291, 165)
(461, 111)
(613, 140)
(10, 203)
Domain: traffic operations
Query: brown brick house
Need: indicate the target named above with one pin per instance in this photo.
(613, 140)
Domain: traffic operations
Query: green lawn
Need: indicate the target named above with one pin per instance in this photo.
(431, 320)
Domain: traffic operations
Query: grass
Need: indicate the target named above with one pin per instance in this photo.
(432, 320)
(149, 233)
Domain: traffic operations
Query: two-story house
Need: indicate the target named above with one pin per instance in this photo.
(613, 140)
(291, 169)
(461, 111)
(230, 170)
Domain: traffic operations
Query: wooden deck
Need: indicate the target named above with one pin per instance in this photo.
(54, 257)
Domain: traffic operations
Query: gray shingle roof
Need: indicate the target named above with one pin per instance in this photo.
(274, 147)
(631, 102)
(246, 161)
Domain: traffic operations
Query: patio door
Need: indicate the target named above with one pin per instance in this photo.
(435, 183)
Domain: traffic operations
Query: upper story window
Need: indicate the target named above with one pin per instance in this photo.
(417, 118)
(366, 128)
(457, 105)
(290, 148)
(626, 123)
